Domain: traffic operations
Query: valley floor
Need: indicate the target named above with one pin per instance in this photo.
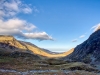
(29, 66)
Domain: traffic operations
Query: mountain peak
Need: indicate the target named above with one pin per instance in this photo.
(6, 37)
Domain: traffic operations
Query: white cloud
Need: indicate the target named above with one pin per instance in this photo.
(11, 13)
(82, 36)
(38, 35)
(27, 10)
(75, 40)
(96, 27)
(13, 7)
(22, 29)
(1, 13)
(35, 9)
(16, 23)
(18, 27)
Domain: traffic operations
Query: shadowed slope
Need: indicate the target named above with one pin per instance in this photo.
(88, 51)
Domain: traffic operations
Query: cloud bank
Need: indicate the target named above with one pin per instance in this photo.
(10, 24)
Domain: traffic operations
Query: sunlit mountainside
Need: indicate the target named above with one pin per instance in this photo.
(11, 44)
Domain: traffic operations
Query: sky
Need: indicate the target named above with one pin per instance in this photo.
(56, 25)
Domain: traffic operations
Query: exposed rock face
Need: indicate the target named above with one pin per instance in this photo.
(88, 51)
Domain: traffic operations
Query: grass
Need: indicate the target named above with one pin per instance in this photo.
(27, 63)
(5, 59)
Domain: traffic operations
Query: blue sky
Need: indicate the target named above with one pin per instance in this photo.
(67, 22)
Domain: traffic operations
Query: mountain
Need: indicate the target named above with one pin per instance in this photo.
(9, 44)
(88, 51)
(45, 50)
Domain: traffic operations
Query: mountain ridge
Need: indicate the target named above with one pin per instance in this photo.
(88, 51)
(11, 44)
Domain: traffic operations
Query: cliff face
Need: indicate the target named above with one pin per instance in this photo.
(88, 51)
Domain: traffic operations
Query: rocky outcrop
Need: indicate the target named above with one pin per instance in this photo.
(88, 51)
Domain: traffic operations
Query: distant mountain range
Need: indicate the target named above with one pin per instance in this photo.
(88, 51)
(48, 51)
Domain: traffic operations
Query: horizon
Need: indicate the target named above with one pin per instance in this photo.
(56, 25)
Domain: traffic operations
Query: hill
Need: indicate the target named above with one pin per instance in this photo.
(10, 44)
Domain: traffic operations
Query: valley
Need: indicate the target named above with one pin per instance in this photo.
(23, 58)
(49, 37)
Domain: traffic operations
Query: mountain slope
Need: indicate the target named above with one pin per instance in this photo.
(69, 52)
(88, 51)
(10, 44)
